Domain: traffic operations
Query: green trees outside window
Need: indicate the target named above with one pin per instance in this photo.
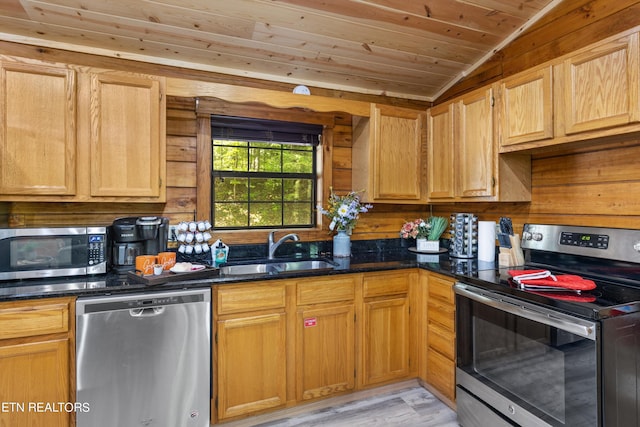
(263, 184)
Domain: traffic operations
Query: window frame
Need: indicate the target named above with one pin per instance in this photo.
(248, 174)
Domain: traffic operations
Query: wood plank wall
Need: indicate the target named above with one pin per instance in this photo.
(597, 187)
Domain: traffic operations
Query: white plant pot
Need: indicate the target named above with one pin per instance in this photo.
(425, 245)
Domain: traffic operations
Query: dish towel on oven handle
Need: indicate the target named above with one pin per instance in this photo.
(544, 280)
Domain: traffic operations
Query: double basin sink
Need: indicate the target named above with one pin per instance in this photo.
(277, 267)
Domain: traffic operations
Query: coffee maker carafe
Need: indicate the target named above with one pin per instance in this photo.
(133, 236)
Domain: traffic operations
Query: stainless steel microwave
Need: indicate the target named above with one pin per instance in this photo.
(28, 253)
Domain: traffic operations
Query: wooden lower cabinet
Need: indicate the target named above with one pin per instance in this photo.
(282, 342)
(251, 336)
(441, 335)
(325, 350)
(251, 364)
(386, 350)
(36, 362)
(386, 342)
(325, 335)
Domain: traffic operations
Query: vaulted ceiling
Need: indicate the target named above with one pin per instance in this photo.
(403, 48)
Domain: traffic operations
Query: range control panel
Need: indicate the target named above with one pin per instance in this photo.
(621, 244)
(589, 240)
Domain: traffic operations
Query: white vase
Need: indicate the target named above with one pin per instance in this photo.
(341, 244)
(424, 245)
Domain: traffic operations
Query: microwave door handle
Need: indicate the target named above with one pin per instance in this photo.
(576, 326)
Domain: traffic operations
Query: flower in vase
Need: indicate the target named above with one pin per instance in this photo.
(431, 229)
(344, 211)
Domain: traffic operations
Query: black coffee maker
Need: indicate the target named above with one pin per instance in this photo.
(133, 236)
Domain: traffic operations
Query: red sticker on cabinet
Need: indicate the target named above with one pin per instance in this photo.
(310, 321)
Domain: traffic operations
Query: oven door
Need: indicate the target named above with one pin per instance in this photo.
(523, 364)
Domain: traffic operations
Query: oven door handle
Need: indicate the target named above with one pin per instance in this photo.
(571, 324)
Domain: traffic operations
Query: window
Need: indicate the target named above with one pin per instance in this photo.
(264, 173)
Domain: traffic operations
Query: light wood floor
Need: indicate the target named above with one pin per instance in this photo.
(401, 404)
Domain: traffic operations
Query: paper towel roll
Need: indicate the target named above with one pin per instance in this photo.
(487, 241)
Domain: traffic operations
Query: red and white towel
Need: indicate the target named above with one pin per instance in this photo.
(543, 280)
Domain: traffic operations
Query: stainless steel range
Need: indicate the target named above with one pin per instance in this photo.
(554, 357)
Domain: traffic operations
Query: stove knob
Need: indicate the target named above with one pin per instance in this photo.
(636, 246)
(537, 236)
(526, 235)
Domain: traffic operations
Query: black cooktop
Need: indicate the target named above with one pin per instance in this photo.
(617, 289)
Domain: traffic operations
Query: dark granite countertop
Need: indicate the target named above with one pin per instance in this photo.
(366, 257)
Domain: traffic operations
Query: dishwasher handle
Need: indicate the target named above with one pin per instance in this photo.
(146, 312)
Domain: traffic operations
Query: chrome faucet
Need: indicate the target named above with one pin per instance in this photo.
(273, 246)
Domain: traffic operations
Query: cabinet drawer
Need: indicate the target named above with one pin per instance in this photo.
(262, 296)
(441, 314)
(441, 373)
(317, 291)
(441, 289)
(386, 284)
(442, 340)
(34, 318)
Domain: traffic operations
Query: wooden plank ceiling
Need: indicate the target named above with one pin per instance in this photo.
(403, 48)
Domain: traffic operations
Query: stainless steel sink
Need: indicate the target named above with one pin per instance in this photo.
(277, 267)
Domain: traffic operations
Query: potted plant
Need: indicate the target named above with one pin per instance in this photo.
(344, 212)
(427, 233)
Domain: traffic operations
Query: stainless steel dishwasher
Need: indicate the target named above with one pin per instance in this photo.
(144, 359)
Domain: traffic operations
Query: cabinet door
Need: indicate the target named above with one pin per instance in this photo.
(127, 136)
(34, 373)
(397, 154)
(440, 153)
(325, 350)
(441, 374)
(251, 364)
(386, 339)
(37, 129)
(601, 86)
(474, 155)
(526, 107)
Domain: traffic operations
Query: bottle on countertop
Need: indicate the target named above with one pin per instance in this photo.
(220, 252)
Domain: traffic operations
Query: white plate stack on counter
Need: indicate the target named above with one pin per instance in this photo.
(194, 237)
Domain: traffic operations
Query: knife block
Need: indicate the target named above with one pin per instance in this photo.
(513, 256)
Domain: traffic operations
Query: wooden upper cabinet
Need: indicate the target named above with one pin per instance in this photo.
(475, 152)
(525, 103)
(590, 94)
(127, 136)
(72, 134)
(440, 153)
(601, 85)
(464, 163)
(37, 129)
(388, 155)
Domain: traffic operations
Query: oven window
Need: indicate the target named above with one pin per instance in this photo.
(548, 370)
(41, 252)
